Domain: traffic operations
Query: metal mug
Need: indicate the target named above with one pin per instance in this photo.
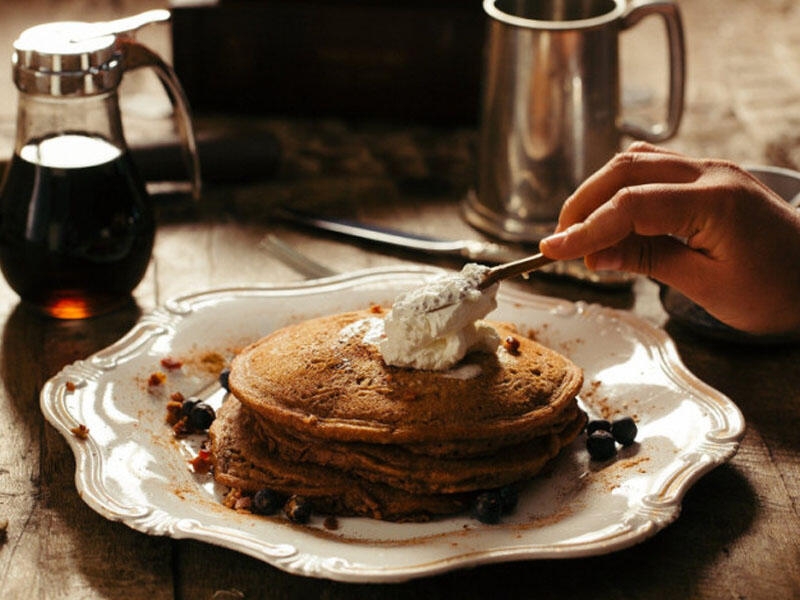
(551, 105)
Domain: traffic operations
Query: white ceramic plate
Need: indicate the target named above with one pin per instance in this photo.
(130, 468)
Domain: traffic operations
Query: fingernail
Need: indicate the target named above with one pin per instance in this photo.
(556, 240)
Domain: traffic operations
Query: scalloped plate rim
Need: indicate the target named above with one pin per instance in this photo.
(166, 319)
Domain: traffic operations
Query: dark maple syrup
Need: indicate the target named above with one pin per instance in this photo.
(76, 226)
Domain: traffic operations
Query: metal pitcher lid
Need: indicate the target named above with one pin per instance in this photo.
(72, 58)
(65, 59)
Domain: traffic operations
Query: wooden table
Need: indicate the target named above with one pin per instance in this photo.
(739, 532)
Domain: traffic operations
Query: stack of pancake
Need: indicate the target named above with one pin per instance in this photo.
(315, 411)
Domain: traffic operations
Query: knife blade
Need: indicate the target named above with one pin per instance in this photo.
(475, 250)
(471, 250)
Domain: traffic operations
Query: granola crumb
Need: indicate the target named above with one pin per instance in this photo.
(171, 363)
(81, 431)
(243, 503)
(231, 497)
(181, 427)
(156, 379)
(174, 405)
(201, 463)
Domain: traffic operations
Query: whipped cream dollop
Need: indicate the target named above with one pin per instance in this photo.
(436, 325)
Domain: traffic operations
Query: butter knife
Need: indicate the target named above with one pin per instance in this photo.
(475, 250)
(471, 250)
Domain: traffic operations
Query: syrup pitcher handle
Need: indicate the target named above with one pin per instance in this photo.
(137, 55)
(669, 11)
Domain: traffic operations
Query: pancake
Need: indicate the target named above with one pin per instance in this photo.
(414, 472)
(321, 379)
(315, 411)
(243, 462)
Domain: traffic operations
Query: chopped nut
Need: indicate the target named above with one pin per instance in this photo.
(174, 406)
(156, 379)
(171, 363)
(231, 497)
(174, 412)
(202, 462)
(243, 503)
(81, 431)
(181, 427)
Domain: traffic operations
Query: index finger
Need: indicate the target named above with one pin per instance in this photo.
(643, 210)
(626, 169)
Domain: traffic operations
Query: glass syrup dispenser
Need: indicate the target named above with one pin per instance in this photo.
(76, 223)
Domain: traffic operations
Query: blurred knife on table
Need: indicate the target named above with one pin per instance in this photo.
(469, 250)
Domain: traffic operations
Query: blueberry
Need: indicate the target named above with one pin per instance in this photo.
(266, 502)
(488, 507)
(223, 379)
(201, 416)
(297, 509)
(624, 430)
(601, 445)
(509, 496)
(187, 406)
(597, 424)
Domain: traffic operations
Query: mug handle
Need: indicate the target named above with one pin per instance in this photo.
(669, 11)
(137, 55)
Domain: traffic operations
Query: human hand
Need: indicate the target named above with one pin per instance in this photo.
(703, 226)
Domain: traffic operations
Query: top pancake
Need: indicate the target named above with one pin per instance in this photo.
(321, 378)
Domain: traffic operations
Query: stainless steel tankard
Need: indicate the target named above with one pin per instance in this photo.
(551, 105)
